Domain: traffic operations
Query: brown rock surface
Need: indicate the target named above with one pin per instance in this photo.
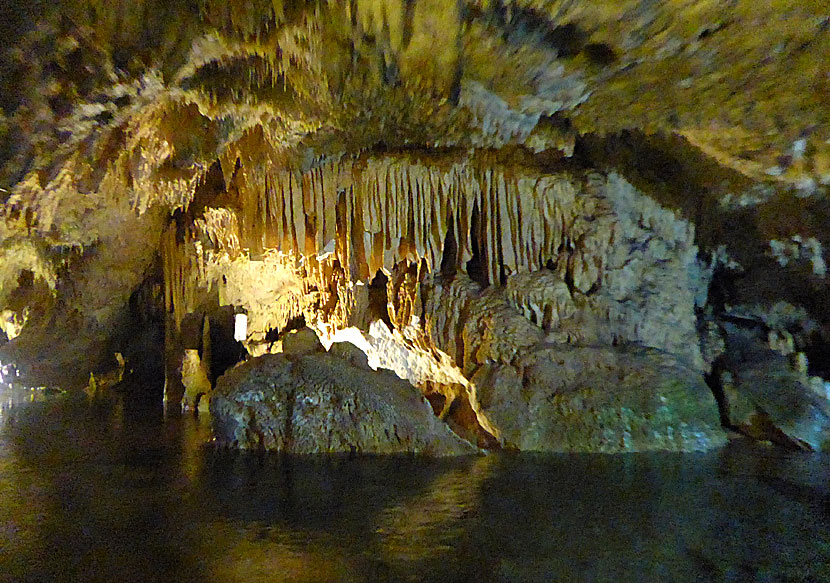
(591, 399)
(319, 403)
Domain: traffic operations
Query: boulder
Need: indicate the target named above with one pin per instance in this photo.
(767, 395)
(561, 398)
(320, 403)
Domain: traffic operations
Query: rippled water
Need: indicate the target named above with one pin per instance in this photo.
(93, 494)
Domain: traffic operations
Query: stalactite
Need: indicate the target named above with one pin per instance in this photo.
(372, 214)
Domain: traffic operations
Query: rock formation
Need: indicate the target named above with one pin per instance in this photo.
(570, 225)
(599, 399)
(304, 402)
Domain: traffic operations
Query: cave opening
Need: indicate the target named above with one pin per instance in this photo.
(273, 335)
(451, 403)
(713, 380)
(145, 328)
(436, 400)
(293, 323)
(209, 192)
(226, 351)
(721, 288)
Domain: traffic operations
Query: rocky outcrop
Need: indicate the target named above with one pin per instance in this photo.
(590, 399)
(767, 392)
(626, 271)
(316, 402)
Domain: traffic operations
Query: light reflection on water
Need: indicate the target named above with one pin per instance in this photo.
(92, 494)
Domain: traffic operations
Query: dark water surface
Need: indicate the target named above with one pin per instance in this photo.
(92, 495)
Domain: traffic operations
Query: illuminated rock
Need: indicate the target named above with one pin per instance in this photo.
(195, 380)
(320, 403)
(301, 342)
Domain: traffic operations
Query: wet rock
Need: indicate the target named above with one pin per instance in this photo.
(769, 396)
(593, 399)
(319, 403)
(627, 272)
(195, 379)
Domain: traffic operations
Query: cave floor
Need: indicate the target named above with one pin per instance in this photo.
(122, 494)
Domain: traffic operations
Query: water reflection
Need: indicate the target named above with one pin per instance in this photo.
(100, 494)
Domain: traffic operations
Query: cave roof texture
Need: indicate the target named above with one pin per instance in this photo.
(117, 115)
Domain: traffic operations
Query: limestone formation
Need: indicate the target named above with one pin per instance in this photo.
(453, 187)
(301, 342)
(195, 379)
(595, 399)
(768, 393)
(321, 403)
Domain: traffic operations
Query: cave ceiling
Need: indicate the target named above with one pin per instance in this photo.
(187, 82)
(115, 115)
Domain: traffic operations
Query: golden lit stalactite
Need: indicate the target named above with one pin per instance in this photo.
(396, 210)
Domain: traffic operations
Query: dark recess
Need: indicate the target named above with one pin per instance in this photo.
(225, 350)
(449, 258)
(295, 323)
(600, 54)
(475, 266)
(140, 339)
(378, 299)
